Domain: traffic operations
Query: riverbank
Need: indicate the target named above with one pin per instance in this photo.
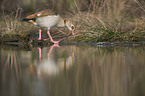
(89, 28)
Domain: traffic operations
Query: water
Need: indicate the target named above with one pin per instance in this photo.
(72, 71)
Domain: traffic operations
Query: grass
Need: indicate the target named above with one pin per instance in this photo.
(11, 25)
(90, 28)
(112, 20)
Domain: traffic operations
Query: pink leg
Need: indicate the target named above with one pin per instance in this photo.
(51, 48)
(56, 42)
(39, 49)
(39, 34)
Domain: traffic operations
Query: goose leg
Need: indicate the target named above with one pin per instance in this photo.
(39, 49)
(51, 48)
(39, 34)
(55, 42)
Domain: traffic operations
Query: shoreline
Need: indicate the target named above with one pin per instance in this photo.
(29, 40)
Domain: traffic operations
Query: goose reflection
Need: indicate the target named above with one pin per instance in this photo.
(54, 63)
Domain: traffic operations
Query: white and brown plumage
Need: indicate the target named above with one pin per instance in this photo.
(48, 19)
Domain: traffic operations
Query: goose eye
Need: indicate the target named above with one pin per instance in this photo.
(72, 27)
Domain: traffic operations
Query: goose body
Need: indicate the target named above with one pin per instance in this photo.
(53, 20)
(48, 19)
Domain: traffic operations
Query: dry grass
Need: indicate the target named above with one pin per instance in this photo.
(95, 20)
(110, 20)
(92, 28)
(11, 24)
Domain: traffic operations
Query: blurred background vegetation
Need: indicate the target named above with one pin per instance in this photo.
(107, 7)
(109, 19)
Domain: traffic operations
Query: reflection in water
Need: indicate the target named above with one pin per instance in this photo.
(51, 65)
(12, 63)
(72, 71)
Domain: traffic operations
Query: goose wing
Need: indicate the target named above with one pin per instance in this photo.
(32, 18)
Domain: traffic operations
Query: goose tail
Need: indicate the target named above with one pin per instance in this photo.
(26, 19)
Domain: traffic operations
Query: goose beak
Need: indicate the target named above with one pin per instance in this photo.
(73, 29)
(72, 32)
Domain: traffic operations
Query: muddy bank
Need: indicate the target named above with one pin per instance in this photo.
(30, 40)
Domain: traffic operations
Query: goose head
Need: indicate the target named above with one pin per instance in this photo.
(69, 25)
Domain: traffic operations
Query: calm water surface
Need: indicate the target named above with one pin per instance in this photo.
(72, 71)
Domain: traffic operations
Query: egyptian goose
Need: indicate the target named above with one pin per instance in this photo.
(48, 19)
